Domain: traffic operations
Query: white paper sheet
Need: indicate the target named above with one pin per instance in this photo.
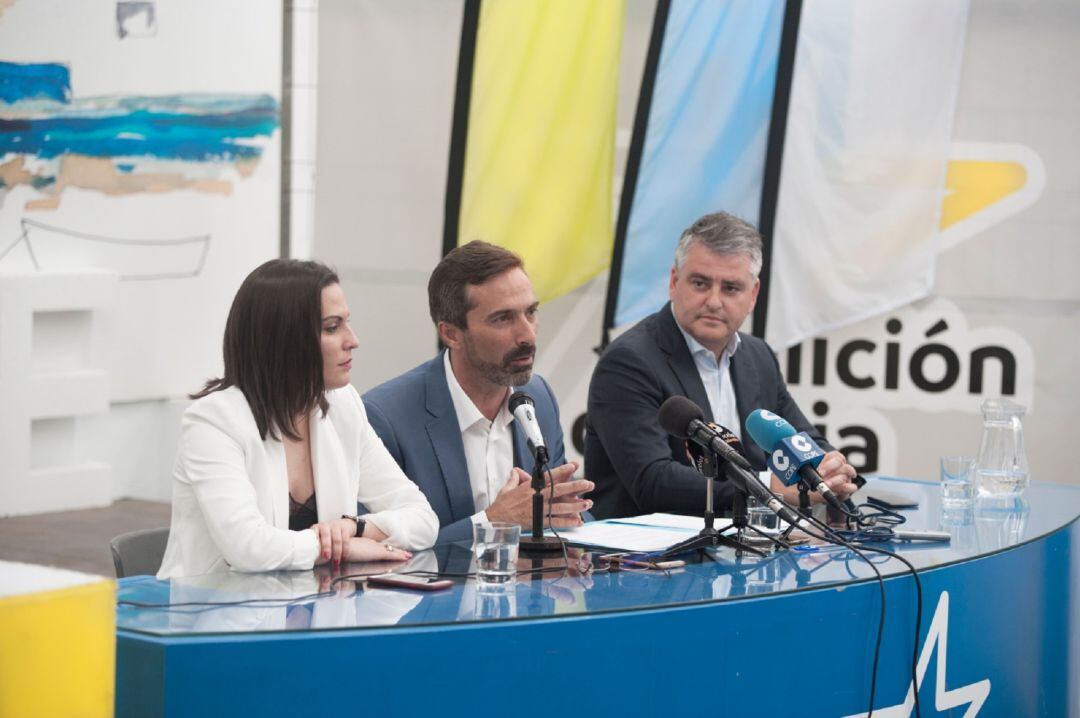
(672, 521)
(653, 532)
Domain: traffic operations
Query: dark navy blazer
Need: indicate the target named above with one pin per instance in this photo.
(637, 467)
(414, 416)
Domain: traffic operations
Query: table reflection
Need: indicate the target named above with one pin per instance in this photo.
(580, 583)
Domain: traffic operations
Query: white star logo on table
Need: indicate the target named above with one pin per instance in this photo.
(973, 694)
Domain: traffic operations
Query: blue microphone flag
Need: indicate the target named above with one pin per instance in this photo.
(785, 450)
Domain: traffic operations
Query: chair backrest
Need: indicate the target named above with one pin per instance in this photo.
(139, 553)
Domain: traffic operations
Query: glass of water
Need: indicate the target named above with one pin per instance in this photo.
(957, 482)
(495, 546)
(761, 516)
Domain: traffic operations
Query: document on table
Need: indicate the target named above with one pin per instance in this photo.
(652, 532)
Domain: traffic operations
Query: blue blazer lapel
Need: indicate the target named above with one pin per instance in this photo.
(671, 341)
(445, 436)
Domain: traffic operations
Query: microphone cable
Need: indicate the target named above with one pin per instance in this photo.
(833, 536)
(564, 569)
(871, 515)
(200, 606)
(828, 535)
(551, 521)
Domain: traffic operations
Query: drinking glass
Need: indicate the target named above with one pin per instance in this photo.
(495, 546)
(957, 482)
(761, 516)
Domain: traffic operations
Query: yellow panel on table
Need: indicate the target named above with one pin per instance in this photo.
(57, 643)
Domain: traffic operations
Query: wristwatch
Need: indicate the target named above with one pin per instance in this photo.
(360, 523)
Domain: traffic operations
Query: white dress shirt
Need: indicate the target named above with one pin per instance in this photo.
(716, 376)
(489, 445)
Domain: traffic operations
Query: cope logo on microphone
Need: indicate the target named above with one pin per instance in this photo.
(802, 449)
(769, 416)
(802, 443)
(791, 454)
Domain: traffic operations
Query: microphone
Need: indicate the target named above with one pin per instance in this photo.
(726, 435)
(756, 489)
(684, 419)
(524, 411)
(792, 456)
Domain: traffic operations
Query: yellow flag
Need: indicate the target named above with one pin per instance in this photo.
(541, 136)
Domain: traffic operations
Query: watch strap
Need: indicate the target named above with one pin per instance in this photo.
(360, 523)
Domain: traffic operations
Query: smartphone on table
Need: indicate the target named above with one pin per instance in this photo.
(414, 583)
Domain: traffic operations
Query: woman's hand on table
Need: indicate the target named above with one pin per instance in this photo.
(365, 549)
(334, 537)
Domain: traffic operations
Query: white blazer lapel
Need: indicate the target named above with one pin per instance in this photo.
(330, 469)
(278, 478)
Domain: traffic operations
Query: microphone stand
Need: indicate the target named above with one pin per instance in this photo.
(739, 516)
(538, 542)
(805, 509)
(804, 499)
(709, 537)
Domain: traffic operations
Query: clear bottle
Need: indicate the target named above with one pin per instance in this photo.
(1000, 524)
(1001, 470)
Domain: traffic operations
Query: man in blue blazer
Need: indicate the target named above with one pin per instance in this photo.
(692, 348)
(447, 422)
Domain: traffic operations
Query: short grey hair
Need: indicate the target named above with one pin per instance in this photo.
(722, 233)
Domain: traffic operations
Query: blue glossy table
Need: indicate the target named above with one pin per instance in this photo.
(790, 634)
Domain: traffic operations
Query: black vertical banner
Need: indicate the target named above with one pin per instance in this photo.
(455, 173)
(285, 208)
(633, 164)
(774, 154)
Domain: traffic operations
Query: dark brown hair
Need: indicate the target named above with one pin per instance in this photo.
(271, 346)
(473, 263)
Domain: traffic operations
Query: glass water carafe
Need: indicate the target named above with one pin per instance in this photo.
(1002, 469)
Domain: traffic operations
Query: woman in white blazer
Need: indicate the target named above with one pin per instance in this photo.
(275, 455)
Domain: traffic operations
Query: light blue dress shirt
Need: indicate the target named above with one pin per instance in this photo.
(716, 376)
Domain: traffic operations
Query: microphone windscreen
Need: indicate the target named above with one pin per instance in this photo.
(767, 429)
(517, 399)
(675, 416)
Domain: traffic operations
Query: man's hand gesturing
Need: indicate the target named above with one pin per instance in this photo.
(513, 504)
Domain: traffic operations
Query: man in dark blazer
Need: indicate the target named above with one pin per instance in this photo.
(691, 347)
(447, 422)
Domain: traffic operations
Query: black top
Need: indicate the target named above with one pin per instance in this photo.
(302, 515)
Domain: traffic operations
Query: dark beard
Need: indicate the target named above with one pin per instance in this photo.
(503, 374)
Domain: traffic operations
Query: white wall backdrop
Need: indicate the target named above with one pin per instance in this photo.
(130, 200)
(161, 333)
(1005, 272)
(1006, 269)
(378, 107)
